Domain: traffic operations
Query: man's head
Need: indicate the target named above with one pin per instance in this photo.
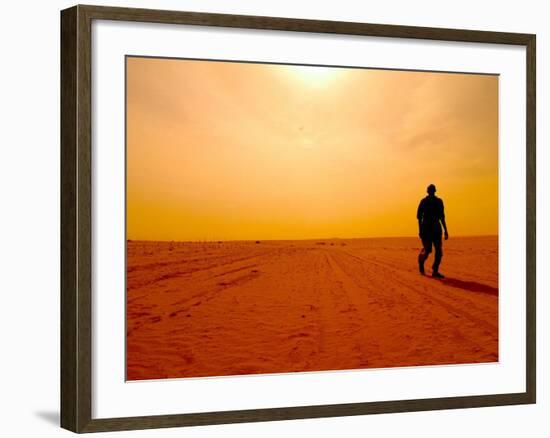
(431, 190)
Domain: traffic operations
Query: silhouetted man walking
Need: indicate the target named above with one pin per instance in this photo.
(431, 215)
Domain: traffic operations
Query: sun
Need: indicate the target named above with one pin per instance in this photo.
(314, 75)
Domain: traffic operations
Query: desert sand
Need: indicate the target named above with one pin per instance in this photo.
(227, 308)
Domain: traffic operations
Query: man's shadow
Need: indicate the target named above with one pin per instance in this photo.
(471, 286)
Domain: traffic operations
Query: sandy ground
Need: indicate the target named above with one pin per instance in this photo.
(228, 308)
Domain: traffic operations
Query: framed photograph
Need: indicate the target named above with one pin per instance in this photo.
(271, 218)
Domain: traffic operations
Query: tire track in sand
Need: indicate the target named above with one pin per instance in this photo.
(344, 316)
(419, 308)
(455, 305)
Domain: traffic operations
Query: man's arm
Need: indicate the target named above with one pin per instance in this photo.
(443, 220)
(419, 214)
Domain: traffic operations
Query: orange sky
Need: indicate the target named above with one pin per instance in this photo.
(219, 150)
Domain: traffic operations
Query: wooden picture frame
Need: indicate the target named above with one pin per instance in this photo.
(76, 218)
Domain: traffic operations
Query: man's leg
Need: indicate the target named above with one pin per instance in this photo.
(437, 256)
(424, 253)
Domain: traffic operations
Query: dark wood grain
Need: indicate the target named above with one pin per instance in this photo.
(76, 222)
(301, 25)
(69, 330)
(303, 412)
(531, 251)
(84, 217)
(76, 251)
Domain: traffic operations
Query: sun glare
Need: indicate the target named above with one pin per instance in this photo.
(314, 75)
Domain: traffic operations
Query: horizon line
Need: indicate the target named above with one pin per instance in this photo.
(304, 239)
